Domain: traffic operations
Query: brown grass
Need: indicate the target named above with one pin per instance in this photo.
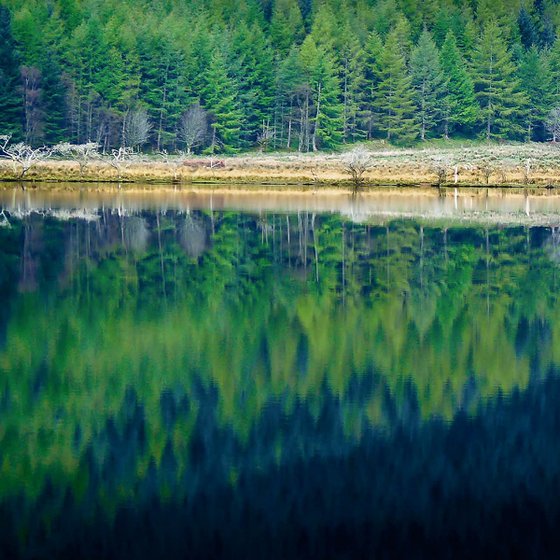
(392, 167)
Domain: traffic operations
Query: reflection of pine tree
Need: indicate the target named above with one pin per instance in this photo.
(251, 305)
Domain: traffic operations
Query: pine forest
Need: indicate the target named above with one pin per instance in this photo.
(204, 76)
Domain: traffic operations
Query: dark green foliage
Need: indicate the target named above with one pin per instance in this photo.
(394, 95)
(428, 83)
(53, 100)
(284, 74)
(372, 70)
(459, 105)
(11, 109)
(527, 28)
(255, 74)
(537, 82)
(503, 104)
(220, 98)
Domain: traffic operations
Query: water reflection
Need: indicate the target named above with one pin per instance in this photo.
(511, 206)
(207, 383)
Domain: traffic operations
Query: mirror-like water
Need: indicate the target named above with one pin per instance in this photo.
(202, 382)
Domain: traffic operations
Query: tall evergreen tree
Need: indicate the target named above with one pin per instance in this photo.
(53, 100)
(554, 67)
(319, 98)
(527, 28)
(329, 111)
(255, 75)
(459, 106)
(403, 34)
(369, 113)
(394, 96)
(287, 93)
(351, 83)
(286, 25)
(220, 99)
(497, 88)
(428, 83)
(161, 83)
(536, 80)
(11, 107)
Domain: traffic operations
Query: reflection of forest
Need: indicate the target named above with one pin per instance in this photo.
(169, 354)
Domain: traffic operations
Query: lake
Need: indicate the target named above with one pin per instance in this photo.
(219, 375)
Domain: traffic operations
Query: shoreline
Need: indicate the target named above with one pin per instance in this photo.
(508, 166)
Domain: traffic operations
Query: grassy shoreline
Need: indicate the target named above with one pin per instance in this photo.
(474, 166)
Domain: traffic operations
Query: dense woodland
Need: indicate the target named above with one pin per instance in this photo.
(231, 75)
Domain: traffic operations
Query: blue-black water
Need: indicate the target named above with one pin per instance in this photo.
(220, 384)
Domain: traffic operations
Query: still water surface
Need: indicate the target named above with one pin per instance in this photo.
(186, 381)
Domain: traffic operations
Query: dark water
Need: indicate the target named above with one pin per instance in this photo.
(233, 385)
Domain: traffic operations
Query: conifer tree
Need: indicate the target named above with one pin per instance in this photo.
(553, 56)
(351, 85)
(53, 100)
(319, 102)
(394, 95)
(536, 81)
(326, 25)
(428, 83)
(287, 90)
(198, 54)
(497, 88)
(459, 104)
(11, 110)
(286, 26)
(220, 99)
(161, 84)
(466, 33)
(403, 34)
(84, 57)
(527, 28)
(369, 113)
(328, 120)
(255, 75)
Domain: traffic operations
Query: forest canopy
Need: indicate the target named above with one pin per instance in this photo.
(233, 75)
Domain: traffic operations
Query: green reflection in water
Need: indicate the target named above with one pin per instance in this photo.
(131, 329)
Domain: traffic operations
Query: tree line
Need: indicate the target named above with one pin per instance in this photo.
(232, 75)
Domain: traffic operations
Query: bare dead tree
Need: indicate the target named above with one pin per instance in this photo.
(356, 163)
(121, 159)
(265, 136)
(22, 156)
(136, 128)
(193, 127)
(82, 154)
(553, 123)
(213, 163)
(175, 162)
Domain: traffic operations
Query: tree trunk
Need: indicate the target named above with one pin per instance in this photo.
(162, 108)
(317, 113)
